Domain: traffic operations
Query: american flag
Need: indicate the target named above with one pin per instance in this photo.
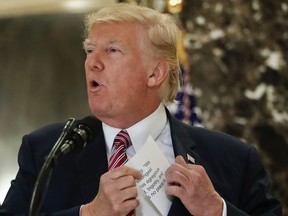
(186, 109)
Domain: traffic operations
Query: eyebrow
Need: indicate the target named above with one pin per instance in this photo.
(107, 42)
(116, 41)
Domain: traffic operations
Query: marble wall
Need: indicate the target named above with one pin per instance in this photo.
(238, 54)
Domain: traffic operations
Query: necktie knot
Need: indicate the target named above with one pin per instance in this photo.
(122, 138)
(118, 156)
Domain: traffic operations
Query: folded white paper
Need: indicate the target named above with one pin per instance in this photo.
(152, 164)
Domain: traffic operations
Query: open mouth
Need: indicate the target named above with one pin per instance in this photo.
(94, 84)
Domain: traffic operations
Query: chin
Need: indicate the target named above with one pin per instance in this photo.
(95, 107)
(98, 109)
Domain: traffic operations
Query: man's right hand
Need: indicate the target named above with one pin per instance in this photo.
(117, 193)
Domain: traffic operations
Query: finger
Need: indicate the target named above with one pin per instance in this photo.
(125, 207)
(126, 182)
(175, 190)
(123, 195)
(180, 160)
(113, 182)
(129, 193)
(175, 167)
(120, 184)
(176, 178)
(124, 171)
(119, 190)
(189, 170)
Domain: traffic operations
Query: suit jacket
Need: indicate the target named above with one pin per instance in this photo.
(233, 167)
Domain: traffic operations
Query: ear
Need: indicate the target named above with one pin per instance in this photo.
(158, 74)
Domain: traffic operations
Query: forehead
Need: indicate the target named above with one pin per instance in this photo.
(120, 33)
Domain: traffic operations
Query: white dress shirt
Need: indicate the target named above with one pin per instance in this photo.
(156, 125)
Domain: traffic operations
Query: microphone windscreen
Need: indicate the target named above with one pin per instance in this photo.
(89, 124)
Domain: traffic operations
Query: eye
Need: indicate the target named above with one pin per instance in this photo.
(113, 50)
(88, 50)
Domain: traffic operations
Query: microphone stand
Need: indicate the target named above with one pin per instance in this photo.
(43, 179)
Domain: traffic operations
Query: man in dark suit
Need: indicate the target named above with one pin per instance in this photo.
(131, 72)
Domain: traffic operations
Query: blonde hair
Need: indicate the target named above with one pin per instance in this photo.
(163, 34)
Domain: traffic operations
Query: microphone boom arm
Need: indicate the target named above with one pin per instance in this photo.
(43, 179)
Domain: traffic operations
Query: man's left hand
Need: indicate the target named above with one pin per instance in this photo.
(191, 184)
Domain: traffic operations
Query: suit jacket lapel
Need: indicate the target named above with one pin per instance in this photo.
(184, 145)
(182, 140)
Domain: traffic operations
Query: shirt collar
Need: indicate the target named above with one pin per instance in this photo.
(151, 125)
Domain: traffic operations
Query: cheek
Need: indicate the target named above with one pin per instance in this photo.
(133, 81)
(134, 90)
(128, 80)
(86, 70)
(123, 91)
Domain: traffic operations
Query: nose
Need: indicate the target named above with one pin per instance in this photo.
(94, 62)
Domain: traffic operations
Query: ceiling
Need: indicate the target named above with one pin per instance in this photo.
(13, 8)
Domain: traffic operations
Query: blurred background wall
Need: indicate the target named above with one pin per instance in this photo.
(237, 55)
(41, 70)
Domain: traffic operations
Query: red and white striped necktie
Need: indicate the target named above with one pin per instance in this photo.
(118, 157)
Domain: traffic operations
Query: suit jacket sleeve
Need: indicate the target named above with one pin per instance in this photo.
(255, 199)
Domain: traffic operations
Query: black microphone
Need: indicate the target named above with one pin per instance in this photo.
(74, 137)
(79, 136)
